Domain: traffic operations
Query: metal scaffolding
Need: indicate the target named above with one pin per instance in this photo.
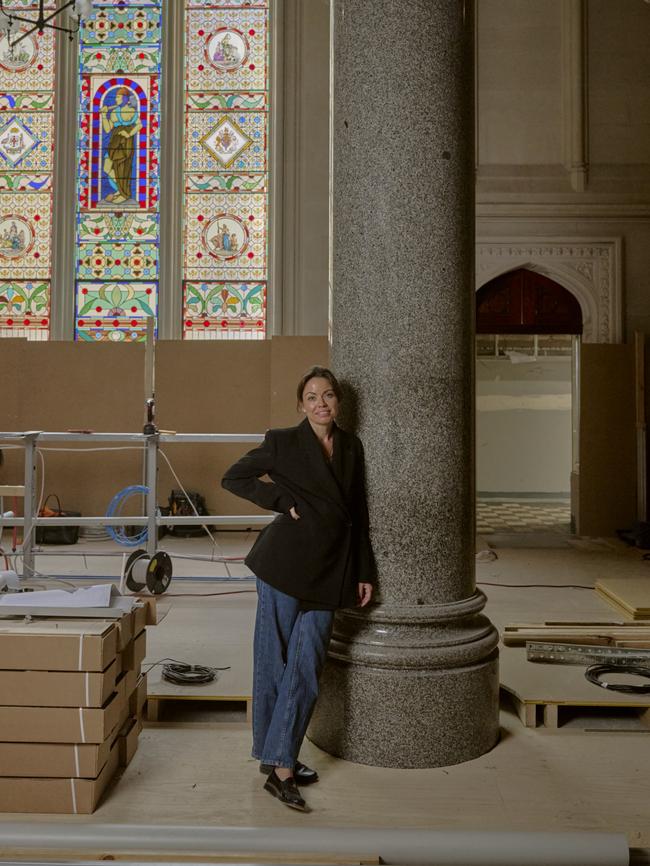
(150, 444)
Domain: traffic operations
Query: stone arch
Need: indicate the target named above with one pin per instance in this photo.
(590, 270)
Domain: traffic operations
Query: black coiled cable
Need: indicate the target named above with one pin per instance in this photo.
(594, 672)
(184, 674)
(188, 675)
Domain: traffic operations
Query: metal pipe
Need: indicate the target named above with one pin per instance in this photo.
(30, 505)
(164, 438)
(410, 847)
(237, 519)
(151, 483)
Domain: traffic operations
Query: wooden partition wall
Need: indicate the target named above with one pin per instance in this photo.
(201, 387)
(605, 489)
(247, 387)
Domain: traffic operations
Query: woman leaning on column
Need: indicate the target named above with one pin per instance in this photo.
(313, 558)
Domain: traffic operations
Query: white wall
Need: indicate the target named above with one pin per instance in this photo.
(303, 249)
(527, 74)
(534, 60)
(520, 80)
(523, 426)
(619, 83)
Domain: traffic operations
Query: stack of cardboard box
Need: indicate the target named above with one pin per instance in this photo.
(71, 702)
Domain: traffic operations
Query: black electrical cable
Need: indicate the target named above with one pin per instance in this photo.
(594, 672)
(535, 585)
(184, 674)
(188, 675)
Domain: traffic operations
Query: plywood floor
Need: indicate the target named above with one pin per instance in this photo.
(200, 773)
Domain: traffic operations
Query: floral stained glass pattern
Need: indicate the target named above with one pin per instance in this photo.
(226, 169)
(118, 180)
(26, 140)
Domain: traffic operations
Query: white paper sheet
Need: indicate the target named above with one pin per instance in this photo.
(99, 595)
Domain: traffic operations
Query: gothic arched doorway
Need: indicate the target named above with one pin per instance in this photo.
(528, 333)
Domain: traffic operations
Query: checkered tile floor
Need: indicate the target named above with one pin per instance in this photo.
(495, 516)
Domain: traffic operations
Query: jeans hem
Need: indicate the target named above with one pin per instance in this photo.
(280, 763)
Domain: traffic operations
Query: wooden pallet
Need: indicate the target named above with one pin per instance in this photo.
(208, 631)
(548, 713)
(540, 690)
(154, 703)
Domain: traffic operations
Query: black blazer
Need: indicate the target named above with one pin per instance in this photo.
(321, 557)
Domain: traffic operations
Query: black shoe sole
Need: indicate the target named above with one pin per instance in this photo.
(296, 806)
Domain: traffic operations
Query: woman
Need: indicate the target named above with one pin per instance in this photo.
(314, 557)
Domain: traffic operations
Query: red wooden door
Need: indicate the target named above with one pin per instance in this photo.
(524, 302)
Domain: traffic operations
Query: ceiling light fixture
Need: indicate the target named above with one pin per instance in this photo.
(11, 22)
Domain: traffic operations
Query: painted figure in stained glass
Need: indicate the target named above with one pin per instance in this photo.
(16, 237)
(120, 125)
(225, 237)
(227, 49)
(19, 57)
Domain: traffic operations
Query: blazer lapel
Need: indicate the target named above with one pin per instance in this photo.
(315, 458)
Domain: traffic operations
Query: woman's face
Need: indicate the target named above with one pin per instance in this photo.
(319, 402)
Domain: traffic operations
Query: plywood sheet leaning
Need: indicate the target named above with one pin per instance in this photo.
(629, 594)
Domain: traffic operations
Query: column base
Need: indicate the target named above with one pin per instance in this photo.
(410, 688)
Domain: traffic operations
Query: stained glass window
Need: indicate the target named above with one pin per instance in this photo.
(225, 178)
(225, 242)
(118, 175)
(26, 137)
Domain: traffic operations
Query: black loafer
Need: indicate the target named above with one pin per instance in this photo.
(302, 774)
(286, 791)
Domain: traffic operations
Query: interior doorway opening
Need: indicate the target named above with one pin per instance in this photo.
(527, 366)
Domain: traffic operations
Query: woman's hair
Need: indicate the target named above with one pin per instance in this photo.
(319, 373)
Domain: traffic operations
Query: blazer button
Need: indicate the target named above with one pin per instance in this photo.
(349, 524)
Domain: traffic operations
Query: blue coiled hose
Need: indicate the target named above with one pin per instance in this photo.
(117, 532)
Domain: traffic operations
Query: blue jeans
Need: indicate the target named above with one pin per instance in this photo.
(289, 651)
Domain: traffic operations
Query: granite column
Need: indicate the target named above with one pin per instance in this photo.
(411, 681)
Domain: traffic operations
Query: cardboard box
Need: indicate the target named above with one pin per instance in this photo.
(138, 697)
(57, 688)
(131, 682)
(56, 760)
(124, 710)
(133, 655)
(125, 630)
(67, 796)
(128, 740)
(125, 626)
(151, 610)
(61, 724)
(57, 645)
(142, 615)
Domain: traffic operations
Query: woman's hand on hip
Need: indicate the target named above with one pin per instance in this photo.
(364, 593)
(294, 513)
